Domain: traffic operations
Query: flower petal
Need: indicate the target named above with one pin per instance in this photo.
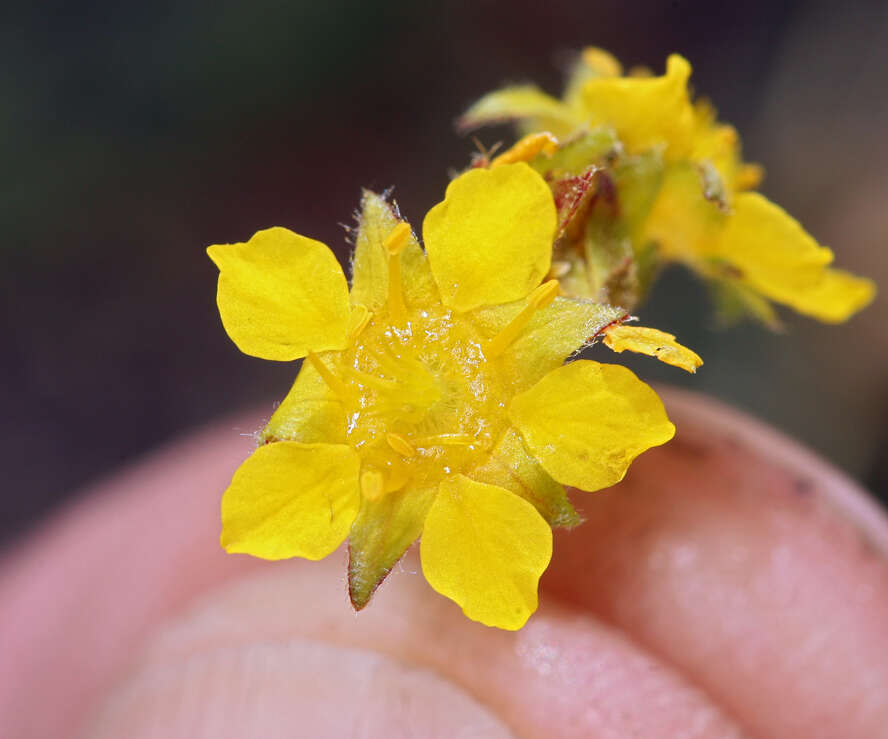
(585, 422)
(553, 334)
(652, 342)
(645, 111)
(836, 296)
(519, 103)
(291, 500)
(591, 63)
(485, 548)
(684, 225)
(370, 261)
(511, 466)
(310, 413)
(281, 295)
(777, 257)
(380, 535)
(490, 240)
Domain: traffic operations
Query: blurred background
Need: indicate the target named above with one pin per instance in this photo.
(135, 134)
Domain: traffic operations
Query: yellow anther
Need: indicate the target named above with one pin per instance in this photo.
(749, 176)
(358, 321)
(396, 241)
(544, 294)
(601, 62)
(527, 148)
(400, 445)
(728, 135)
(372, 484)
(446, 440)
(394, 244)
(333, 382)
(539, 298)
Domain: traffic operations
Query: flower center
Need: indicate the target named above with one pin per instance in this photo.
(422, 400)
(422, 390)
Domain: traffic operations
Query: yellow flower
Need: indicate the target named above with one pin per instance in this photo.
(434, 399)
(684, 186)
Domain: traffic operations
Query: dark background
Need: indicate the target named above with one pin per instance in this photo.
(135, 134)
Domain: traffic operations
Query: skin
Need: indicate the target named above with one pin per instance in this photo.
(732, 585)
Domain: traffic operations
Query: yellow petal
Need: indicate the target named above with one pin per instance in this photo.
(602, 62)
(553, 334)
(291, 500)
(511, 466)
(652, 342)
(310, 413)
(585, 422)
(281, 295)
(645, 111)
(380, 535)
(685, 226)
(591, 63)
(777, 257)
(836, 296)
(490, 240)
(521, 102)
(485, 548)
(756, 246)
(370, 261)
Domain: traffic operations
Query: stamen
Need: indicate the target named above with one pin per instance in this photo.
(368, 380)
(333, 382)
(400, 445)
(372, 484)
(446, 440)
(358, 321)
(527, 148)
(394, 244)
(539, 298)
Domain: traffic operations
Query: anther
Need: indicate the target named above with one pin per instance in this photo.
(333, 382)
(372, 484)
(539, 298)
(400, 445)
(527, 148)
(394, 244)
(358, 321)
(446, 440)
(396, 241)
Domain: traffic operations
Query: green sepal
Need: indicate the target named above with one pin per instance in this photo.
(310, 413)
(735, 302)
(553, 334)
(597, 147)
(382, 532)
(370, 260)
(511, 466)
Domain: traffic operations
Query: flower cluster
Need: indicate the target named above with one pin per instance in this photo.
(645, 176)
(440, 396)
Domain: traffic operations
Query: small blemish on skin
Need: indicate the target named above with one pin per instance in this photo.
(803, 486)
